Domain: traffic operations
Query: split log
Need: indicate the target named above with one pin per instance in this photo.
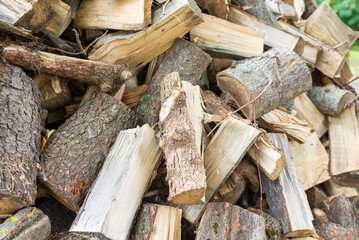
(312, 161)
(310, 7)
(227, 221)
(4, 26)
(286, 197)
(74, 153)
(326, 26)
(78, 236)
(232, 189)
(334, 189)
(120, 185)
(280, 72)
(32, 15)
(131, 96)
(282, 8)
(218, 8)
(157, 222)
(249, 173)
(330, 101)
(227, 37)
(310, 54)
(112, 14)
(307, 111)
(154, 65)
(273, 227)
(183, 57)
(107, 76)
(137, 49)
(269, 158)
(344, 141)
(20, 127)
(316, 197)
(28, 223)
(62, 17)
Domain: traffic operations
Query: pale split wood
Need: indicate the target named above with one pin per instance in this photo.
(61, 19)
(335, 189)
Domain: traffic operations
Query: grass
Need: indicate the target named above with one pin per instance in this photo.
(354, 59)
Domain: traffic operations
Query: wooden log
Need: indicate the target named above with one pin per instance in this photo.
(74, 4)
(310, 7)
(273, 227)
(330, 101)
(107, 76)
(250, 174)
(62, 17)
(227, 37)
(311, 160)
(282, 70)
(344, 140)
(20, 128)
(157, 222)
(307, 111)
(74, 153)
(132, 96)
(218, 8)
(137, 49)
(326, 26)
(232, 189)
(227, 221)
(7, 27)
(120, 185)
(32, 15)
(282, 9)
(334, 189)
(183, 57)
(114, 14)
(28, 223)
(78, 236)
(286, 197)
(316, 197)
(310, 54)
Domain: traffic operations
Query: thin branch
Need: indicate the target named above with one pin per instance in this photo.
(94, 41)
(77, 35)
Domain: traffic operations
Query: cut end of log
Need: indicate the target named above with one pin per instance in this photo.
(8, 206)
(189, 197)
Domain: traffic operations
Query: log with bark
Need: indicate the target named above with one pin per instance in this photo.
(7, 27)
(232, 189)
(19, 138)
(310, 7)
(78, 236)
(218, 8)
(279, 74)
(334, 189)
(273, 227)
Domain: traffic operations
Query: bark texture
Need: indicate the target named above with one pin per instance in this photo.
(19, 138)
(273, 227)
(78, 236)
(283, 70)
(75, 152)
(232, 189)
(218, 8)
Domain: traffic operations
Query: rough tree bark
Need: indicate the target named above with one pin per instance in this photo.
(78, 236)
(273, 227)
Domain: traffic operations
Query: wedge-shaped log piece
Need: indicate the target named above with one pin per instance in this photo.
(137, 49)
(326, 26)
(218, 8)
(286, 197)
(114, 14)
(308, 112)
(258, 9)
(120, 185)
(28, 223)
(33, 15)
(230, 38)
(227, 221)
(107, 76)
(311, 160)
(269, 158)
(280, 72)
(78, 236)
(183, 57)
(232, 189)
(61, 19)
(19, 138)
(334, 189)
(344, 142)
(316, 196)
(75, 152)
(157, 222)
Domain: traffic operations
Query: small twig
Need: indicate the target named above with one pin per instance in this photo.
(77, 35)
(340, 44)
(94, 41)
(346, 84)
(65, 52)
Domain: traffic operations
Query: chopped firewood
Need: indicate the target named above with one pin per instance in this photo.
(325, 25)
(78, 236)
(132, 96)
(157, 222)
(308, 112)
(33, 15)
(227, 37)
(120, 185)
(74, 4)
(137, 49)
(232, 189)
(20, 128)
(310, 7)
(217, 65)
(28, 223)
(7, 27)
(112, 14)
(218, 8)
(273, 227)
(344, 141)
(71, 109)
(154, 65)
(107, 76)
(61, 19)
(286, 197)
(311, 160)
(333, 189)
(250, 174)
(282, 76)
(282, 8)
(316, 197)
(75, 152)
(227, 221)
(183, 57)
(310, 54)
(346, 74)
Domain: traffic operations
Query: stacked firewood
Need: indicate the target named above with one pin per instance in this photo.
(181, 119)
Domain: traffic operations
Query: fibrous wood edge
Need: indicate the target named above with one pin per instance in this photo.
(61, 19)
(334, 189)
(4, 26)
(179, 18)
(230, 38)
(218, 8)
(344, 141)
(111, 14)
(157, 222)
(132, 160)
(312, 161)
(232, 189)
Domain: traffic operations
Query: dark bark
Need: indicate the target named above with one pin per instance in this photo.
(310, 7)
(274, 230)
(232, 189)
(78, 236)
(20, 126)
(218, 8)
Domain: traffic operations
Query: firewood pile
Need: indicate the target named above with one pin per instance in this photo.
(181, 119)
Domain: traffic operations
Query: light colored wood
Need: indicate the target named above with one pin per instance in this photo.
(230, 38)
(114, 14)
(132, 96)
(120, 92)
(258, 9)
(137, 49)
(334, 189)
(269, 158)
(61, 19)
(326, 26)
(311, 160)
(308, 112)
(116, 195)
(74, 4)
(344, 142)
(310, 54)
(282, 8)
